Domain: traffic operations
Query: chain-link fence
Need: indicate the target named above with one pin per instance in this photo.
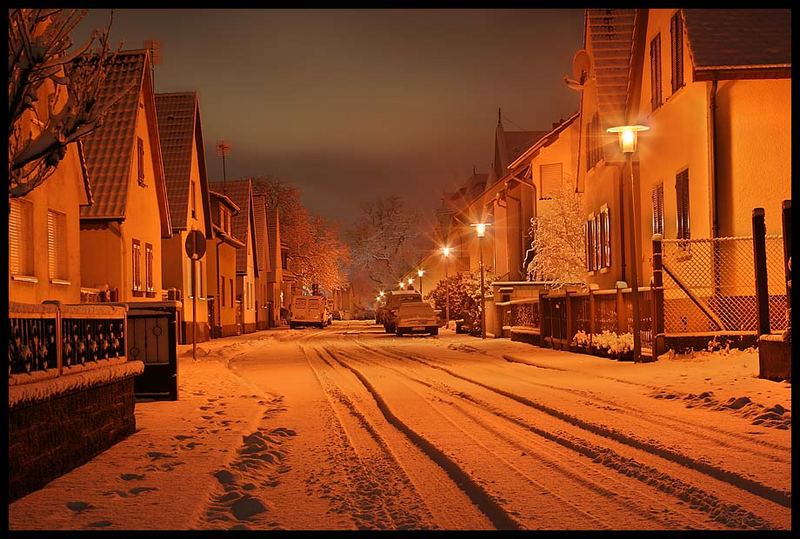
(709, 285)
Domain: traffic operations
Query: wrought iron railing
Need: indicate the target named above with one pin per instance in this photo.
(45, 339)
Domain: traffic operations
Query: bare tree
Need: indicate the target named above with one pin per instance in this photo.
(319, 258)
(41, 67)
(383, 240)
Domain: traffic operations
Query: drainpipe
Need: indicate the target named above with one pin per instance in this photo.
(219, 291)
(712, 146)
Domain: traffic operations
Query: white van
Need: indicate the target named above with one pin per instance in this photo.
(309, 311)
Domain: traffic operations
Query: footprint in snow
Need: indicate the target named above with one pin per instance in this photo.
(182, 437)
(156, 455)
(138, 490)
(131, 476)
(79, 507)
(99, 524)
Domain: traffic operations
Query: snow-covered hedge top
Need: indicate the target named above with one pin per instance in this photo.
(19, 395)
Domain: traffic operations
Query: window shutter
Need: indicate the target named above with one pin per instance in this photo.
(606, 229)
(657, 196)
(682, 192)
(676, 35)
(551, 177)
(15, 231)
(655, 72)
(20, 230)
(56, 244)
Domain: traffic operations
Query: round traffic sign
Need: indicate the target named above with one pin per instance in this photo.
(195, 245)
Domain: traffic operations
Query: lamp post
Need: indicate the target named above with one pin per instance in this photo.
(419, 273)
(446, 254)
(480, 228)
(628, 135)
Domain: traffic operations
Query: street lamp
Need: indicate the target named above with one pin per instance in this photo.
(419, 273)
(446, 254)
(628, 138)
(402, 285)
(480, 228)
(410, 281)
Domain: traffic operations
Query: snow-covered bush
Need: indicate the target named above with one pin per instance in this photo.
(581, 339)
(607, 341)
(465, 296)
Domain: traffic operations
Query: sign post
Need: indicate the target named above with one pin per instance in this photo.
(195, 250)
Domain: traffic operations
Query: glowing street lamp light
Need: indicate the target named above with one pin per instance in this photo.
(419, 273)
(480, 228)
(628, 139)
(628, 136)
(402, 285)
(446, 254)
(382, 293)
(410, 280)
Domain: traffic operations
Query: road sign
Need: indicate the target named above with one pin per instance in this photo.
(195, 245)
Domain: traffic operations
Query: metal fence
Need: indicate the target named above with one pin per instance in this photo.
(709, 285)
(47, 338)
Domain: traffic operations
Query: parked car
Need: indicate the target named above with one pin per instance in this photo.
(394, 299)
(309, 311)
(337, 315)
(416, 317)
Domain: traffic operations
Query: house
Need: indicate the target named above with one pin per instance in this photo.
(281, 280)
(41, 227)
(264, 315)
(714, 88)
(121, 233)
(181, 138)
(221, 264)
(243, 227)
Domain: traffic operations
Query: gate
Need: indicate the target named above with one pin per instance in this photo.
(212, 326)
(152, 339)
(555, 321)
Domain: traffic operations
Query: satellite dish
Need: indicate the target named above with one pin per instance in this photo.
(581, 66)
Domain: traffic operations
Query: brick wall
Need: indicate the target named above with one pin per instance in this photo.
(48, 438)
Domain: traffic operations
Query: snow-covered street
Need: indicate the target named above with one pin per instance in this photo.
(348, 428)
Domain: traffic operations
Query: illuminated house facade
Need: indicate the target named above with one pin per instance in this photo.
(181, 138)
(121, 233)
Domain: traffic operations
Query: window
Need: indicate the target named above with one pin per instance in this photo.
(56, 245)
(594, 142)
(676, 48)
(591, 265)
(20, 230)
(231, 283)
(136, 265)
(192, 198)
(148, 268)
(222, 291)
(682, 193)
(550, 176)
(140, 160)
(598, 254)
(655, 72)
(657, 194)
(222, 213)
(605, 238)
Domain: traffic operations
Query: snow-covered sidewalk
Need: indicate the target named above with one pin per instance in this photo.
(163, 475)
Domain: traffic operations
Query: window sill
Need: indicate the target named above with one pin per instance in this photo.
(25, 278)
(60, 282)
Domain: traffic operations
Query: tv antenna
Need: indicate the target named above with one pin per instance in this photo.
(223, 148)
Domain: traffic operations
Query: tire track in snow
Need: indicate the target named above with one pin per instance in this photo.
(542, 454)
(690, 425)
(732, 515)
(544, 450)
(493, 511)
(374, 482)
(767, 492)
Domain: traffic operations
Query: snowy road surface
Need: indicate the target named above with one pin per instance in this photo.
(350, 428)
